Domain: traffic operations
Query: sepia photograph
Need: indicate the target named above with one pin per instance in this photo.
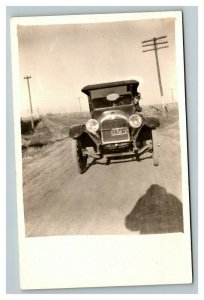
(101, 126)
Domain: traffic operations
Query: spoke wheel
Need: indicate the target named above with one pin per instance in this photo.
(79, 159)
(155, 145)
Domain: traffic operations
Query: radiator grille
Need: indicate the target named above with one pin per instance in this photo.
(106, 131)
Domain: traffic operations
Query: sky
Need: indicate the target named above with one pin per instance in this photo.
(62, 59)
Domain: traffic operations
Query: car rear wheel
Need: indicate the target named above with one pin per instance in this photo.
(155, 145)
(79, 159)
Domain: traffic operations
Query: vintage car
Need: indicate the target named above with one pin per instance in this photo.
(117, 128)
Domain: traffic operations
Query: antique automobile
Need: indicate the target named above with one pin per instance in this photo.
(117, 128)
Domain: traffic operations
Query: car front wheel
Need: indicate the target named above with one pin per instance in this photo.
(155, 145)
(79, 159)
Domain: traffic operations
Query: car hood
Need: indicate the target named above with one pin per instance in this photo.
(125, 111)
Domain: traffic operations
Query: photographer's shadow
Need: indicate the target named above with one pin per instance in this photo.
(156, 212)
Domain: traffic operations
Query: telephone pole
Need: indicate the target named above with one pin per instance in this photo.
(155, 46)
(172, 95)
(79, 98)
(31, 108)
(38, 113)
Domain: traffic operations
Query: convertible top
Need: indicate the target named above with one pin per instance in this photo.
(88, 88)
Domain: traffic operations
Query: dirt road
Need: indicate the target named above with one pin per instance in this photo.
(121, 198)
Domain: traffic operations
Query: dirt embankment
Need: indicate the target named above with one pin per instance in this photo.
(51, 128)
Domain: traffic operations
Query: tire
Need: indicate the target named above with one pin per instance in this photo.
(155, 145)
(80, 160)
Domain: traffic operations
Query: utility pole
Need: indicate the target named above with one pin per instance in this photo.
(31, 108)
(79, 98)
(38, 113)
(172, 95)
(155, 46)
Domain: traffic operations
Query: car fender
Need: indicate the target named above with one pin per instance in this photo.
(76, 131)
(152, 122)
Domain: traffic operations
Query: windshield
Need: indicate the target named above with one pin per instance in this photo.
(103, 102)
(99, 97)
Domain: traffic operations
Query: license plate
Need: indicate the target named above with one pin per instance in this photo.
(119, 131)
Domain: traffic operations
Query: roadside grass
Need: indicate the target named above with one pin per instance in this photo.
(26, 127)
(166, 117)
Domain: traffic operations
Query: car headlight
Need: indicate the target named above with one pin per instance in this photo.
(92, 125)
(135, 121)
